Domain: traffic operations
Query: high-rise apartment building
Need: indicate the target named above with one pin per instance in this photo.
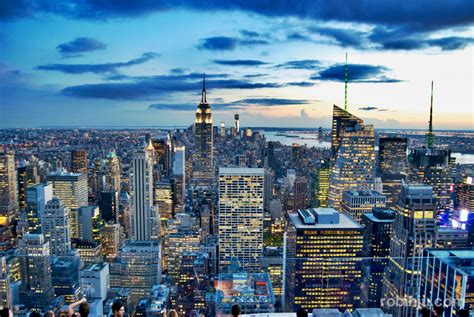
(137, 267)
(355, 203)
(241, 217)
(112, 241)
(414, 229)
(71, 189)
(323, 266)
(55, 226)
(79, 162)
(204, 159)
(36, 287)
(8, 199)
(354, 155)
(144, 217)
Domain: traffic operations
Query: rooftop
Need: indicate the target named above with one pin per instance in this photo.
(240, 170)
(344, 221)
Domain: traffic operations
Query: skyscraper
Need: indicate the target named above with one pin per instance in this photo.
(179, 176)
(91, 224)
(5, 290)
(112, 241)
(79, 162)
(447, 276)
(355, 203)
(392, 155)
(36, 287)
(36, 198)
(354, 155)
(321, 183)
(378, 228)
(236, 124)
(222, 130)
(65, 277)
(414, 229)
(323, 266)
(71, 189)
(112, 173)
(137, 267)
(55, 225)
(109, 205)
(203, 161)
(300, 193)
(8, 199)
(241, 217)
(144, 218)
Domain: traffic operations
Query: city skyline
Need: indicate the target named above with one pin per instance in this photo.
(141, 64)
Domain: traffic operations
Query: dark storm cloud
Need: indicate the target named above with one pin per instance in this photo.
(356, 73)
(308, 64)
(239, 62)
(146, 88)
(422, 14)
(405, 38)
(96, 68)
(343, 37)
(80, 45)
(218, 43)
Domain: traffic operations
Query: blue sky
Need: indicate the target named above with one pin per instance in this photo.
(128, 63)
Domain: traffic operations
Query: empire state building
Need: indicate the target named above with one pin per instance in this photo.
(203, 172)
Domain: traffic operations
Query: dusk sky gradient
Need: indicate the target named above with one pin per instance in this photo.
(276, 63)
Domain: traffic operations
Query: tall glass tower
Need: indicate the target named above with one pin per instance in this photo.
(354, 155)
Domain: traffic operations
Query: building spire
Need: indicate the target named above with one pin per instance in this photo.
(203, 97)
(345, 85)
(430, 126)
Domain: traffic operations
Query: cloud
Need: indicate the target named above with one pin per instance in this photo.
(96, 68)
(238, 104)
(297, 37)
(150, 87)
(226, 43)
(307, 64)
(404, 38)
(422, 14)
(343, 37)
(359, 73)
(218, 43)
(451, 43)
(301, 84)
(239, 62)
(248, 33)
(255, 75)
(272, 101)
(80, 45)
(370, 108)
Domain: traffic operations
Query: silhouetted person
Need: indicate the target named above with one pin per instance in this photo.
(173, 313)
(463, 313)
(6, 312)
(438, 310)
(301, 312)
(425, 312)
(235, 310)
(118, 308)
(83, 308)
(35, 314)
(49, 313)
